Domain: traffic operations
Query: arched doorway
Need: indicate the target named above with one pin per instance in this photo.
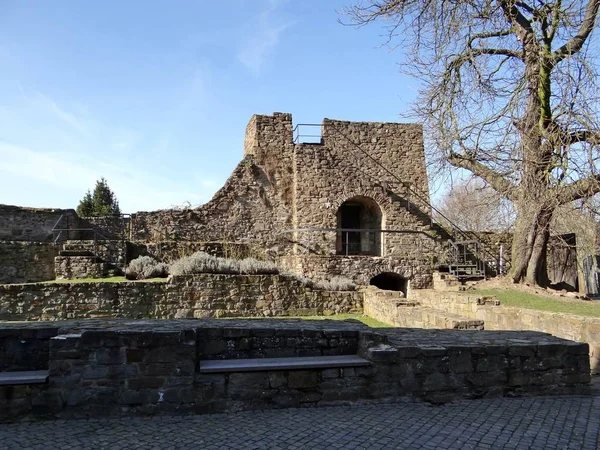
(390, 282)
(363, 215)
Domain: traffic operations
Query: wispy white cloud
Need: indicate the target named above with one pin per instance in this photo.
(263, 36)
(135, 189)
(77, 122)
(70, 149)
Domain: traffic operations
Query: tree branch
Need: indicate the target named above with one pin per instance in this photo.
(583, 188)
(576, 43)
(496, 180)
(512, 13)
(591, 137)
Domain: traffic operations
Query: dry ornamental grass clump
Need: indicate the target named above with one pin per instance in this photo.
(146, 267)
(201, 262)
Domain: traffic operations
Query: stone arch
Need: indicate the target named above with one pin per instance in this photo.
(375, 195)
(390, 281)
(363, 214)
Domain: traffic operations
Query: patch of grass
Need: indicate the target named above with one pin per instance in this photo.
(104, 280)
(369, 321)
(520, 299)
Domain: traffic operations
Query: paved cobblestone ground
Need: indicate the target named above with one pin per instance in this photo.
(518, 423)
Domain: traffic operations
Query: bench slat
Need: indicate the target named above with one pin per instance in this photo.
(25, 377)
(293, 363)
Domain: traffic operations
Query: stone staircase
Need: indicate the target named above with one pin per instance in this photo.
(392, 307)
(89, 259)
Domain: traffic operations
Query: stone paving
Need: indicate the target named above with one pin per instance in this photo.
(543, 423)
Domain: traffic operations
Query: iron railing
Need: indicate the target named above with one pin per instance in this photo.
(302, 136)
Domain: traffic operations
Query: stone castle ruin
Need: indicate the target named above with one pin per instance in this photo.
(351, 201)
(354, 202)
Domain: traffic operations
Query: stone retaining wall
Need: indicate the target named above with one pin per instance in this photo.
(72, 267)
(389, 307)
(205, 295)
(26, 262)
(418, 272)
(112, 368)
(498, 317)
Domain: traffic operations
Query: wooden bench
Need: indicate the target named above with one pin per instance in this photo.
(25, 377)
(292, 363)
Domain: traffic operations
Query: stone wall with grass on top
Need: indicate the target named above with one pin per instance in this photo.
(204, 295)
(498, 317)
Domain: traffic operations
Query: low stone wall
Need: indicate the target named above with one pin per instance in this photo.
(206, 295)
(388, 307)
(112, 368)
(498, 317)
(26, 262)
(72, 267)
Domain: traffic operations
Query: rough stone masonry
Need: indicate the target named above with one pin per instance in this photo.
(355, 204)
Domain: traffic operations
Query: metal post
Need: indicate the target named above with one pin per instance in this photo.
(346, 243)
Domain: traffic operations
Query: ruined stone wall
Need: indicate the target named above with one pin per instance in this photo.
(499, 317)
(361, 269)
(33, 224)
(26, 262)
(205, 295)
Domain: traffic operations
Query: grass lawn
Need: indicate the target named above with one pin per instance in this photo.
(105, 280)
(520, 299)
(369, 321)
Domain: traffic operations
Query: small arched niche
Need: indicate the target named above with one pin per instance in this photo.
(390, 281)
(359, 221)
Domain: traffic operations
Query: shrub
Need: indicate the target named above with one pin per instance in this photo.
(335, 284)
(146, 267)
(201, 262)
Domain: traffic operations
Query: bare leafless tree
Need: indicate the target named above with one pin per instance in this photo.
(510, 93)
(472, 205)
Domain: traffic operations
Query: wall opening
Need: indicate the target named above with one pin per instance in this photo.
(390, 282)
(359, 224)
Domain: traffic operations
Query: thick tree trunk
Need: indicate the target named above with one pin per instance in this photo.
(530, 242)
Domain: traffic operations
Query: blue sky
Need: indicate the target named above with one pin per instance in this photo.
(155, 95)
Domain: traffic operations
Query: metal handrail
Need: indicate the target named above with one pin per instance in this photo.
(297, 136)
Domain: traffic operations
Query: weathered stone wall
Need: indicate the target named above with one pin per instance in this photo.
(498, 317)
(26, 262)
(205, 295)
(361, 269)
(33, 224)
(109, 227)
(102, 368)
(281, 188)
(388, 307)
(72, 267)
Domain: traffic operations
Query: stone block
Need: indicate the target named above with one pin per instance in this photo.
(301, 379)
(145, 383)
(461, 362)
(330, 373)
(277, 379)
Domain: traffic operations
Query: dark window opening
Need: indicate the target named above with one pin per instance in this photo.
(390, 282)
